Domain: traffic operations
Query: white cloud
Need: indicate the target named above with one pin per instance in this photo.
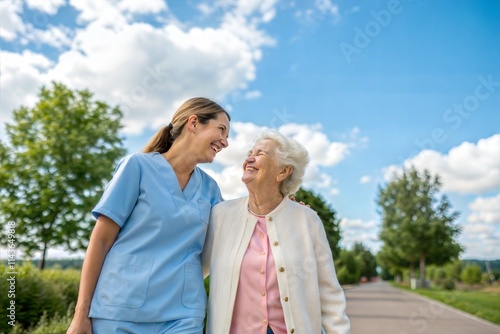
(115, 13)
(481, 231)
(10, 16)
(47, 6)
(365, 179)
(21, 33)
(22, 76)
(481, 241)
(322, 151)
(142, 7)
(467, 169)
(485, 210)
(321, 9)
(326, 7)
(105, 13)
(168, 64)
(57, 37)
(358, 230)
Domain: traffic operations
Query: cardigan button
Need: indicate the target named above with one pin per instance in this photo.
(282, 269)
(292, 330)
(275, 243)
(270, 219)
(286, 299)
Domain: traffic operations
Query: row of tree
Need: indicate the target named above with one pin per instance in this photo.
(61, 152)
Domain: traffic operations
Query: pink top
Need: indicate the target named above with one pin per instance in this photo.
(258, 303)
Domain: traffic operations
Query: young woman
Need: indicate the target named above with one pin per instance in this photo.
(142, 270)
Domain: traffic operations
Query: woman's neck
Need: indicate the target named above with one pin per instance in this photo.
(262, 204)
(181, 165)
(180, 159)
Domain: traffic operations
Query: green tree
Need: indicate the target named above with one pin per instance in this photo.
(54, 166)
(471, 274)
(391, 260)
(348, 267)
(367, 260)
(453, 270)
(326, 213)
(417, 226)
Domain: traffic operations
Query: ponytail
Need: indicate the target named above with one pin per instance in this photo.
(160, 142)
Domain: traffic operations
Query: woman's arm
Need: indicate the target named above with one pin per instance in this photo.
(206, 255)
(102, 238)
(333, 303)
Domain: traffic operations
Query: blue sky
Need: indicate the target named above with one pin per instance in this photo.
(367, 86)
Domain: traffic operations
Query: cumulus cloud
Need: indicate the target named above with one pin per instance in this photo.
(10, 16)
(358, 230)
(320, 9)
(481, 231)
(170, 62)
(481, 241)
(326, 7)
(22, 75)
(470, 168)
(485, 210)
(115, 13)
(56, 36)
(47, 6)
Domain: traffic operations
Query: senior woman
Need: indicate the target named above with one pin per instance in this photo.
(271, 268)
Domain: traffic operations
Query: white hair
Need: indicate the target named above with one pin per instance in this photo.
(288, 153)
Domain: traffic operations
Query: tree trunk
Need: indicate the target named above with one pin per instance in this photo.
(41, 263)
(412, 270)
(422, 270)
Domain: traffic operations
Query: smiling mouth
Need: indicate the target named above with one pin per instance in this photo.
(215, 148)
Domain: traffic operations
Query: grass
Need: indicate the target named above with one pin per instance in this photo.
(484, 304)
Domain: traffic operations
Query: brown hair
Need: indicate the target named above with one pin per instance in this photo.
(202, 107)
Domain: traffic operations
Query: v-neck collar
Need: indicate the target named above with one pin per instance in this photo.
(170, 178)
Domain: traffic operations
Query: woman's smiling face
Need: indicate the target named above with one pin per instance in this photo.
(260, 168)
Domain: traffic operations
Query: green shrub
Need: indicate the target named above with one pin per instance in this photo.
(37, 294)
(66, 281)
(55, 325)
(345, 277)
(471, 274)
(448, 284)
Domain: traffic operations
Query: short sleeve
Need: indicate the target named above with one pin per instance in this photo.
(121, 193)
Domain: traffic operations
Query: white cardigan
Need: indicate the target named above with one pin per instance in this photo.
(312, 299)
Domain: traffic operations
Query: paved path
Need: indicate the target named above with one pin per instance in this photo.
(378, 308)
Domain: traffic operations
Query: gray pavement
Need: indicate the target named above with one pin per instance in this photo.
(378, 308)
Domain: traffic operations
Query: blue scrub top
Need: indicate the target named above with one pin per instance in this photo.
(153, 272)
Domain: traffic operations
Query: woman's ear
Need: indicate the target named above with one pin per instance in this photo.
(287, 170)
(192, 123)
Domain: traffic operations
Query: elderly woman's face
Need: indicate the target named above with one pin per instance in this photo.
(260, 167)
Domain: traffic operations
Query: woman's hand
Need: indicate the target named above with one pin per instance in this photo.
(293, 199)
(80, 325)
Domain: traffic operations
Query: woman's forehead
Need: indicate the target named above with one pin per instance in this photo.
(265, 143)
